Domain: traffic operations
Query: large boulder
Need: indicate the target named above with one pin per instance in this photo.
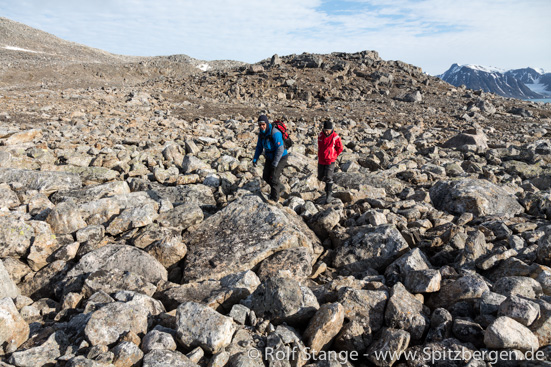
(479, 197)
(43, 181)
(126, 258)
(371, 248)
(7, 285)
(129, 314)
(14, 331)
(363, 181)
(240, 236)
(199, 325)
(282, 299)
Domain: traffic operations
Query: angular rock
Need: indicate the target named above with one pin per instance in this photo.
(405, 312)
(391, 344)
(65, 218)
(220, 295)
(479, 197)
(125, 258)
(43, 181)
(44, 354)
(126, 354)
(298, 261)
(7, 285)
(199, 325)
(464, 288)
(181, 217)
(240, 236)
(157, 339)
(163, 358)
(133, 218)
(505, 332)
(519, 309)
(365, 306)
(374, 248)
(423, 281)
(282, 299)
(15, 236)
(14, 331)
(324, 326)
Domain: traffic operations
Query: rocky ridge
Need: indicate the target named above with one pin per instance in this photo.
(135, 231)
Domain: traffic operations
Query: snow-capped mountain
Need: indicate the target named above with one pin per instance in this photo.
(518, 83)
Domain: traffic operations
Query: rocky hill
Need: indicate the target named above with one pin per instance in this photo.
(135, 229)
(519, 83)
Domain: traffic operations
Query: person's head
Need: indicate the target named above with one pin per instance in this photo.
(328, 127)
(263, 123)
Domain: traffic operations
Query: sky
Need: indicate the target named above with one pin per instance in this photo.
(431, 34)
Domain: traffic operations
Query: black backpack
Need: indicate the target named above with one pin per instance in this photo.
(287, 142)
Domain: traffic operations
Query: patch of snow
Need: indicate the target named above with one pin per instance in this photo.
(538, 88)
(20, 49)
(486, 69)
(203, 67)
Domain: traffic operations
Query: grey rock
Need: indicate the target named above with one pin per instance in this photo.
(479, 197)
(297, 261)
(400, 269)
(282, 299)
(107, 324)
(518, 286)
(157, 339)
(392, 341)
(7, 285)
(135, 217)
(65, 218)
(467, 287)
(126, 354)
(365, 306)
(405, 312)
(324, 326)
(41, 355)
(14, 331)
(43, 181)
(505, 332)
(480, 140)
(15, 236)
(359, 181)
(375, 248)
(240, 236)
(114, 280)
(121, 257)
(44, 282)
(423, 281)
(519, 309)
(220, 294)
(163, 358)
(181, 217)
(92, 193)
(468, 331)
(199, 325)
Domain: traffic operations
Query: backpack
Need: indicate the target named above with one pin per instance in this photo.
(287, 142)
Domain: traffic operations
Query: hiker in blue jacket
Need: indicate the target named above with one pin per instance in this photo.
(270, 141)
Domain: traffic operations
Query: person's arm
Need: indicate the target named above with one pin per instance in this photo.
(338, 146)
(259, 149)
(280, 147)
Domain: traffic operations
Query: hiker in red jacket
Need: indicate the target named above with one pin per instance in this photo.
(329, 148)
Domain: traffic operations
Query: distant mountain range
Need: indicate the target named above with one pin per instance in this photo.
(526, 83)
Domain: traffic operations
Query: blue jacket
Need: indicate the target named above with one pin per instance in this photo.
(271, 144)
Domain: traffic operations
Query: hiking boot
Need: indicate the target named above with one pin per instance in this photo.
(328, 193)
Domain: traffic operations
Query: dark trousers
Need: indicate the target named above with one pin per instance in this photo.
(325, 174)
(271, 175)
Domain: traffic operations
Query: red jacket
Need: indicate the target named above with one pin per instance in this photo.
(329, 148)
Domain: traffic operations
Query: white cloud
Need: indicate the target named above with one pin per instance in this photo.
(432, 34)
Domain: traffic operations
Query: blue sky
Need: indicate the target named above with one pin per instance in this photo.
(431, 34)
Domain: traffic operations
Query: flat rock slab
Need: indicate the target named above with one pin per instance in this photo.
(240, 236)
(43, 181)
(122, 257)
(358, 180)
(479, 197)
